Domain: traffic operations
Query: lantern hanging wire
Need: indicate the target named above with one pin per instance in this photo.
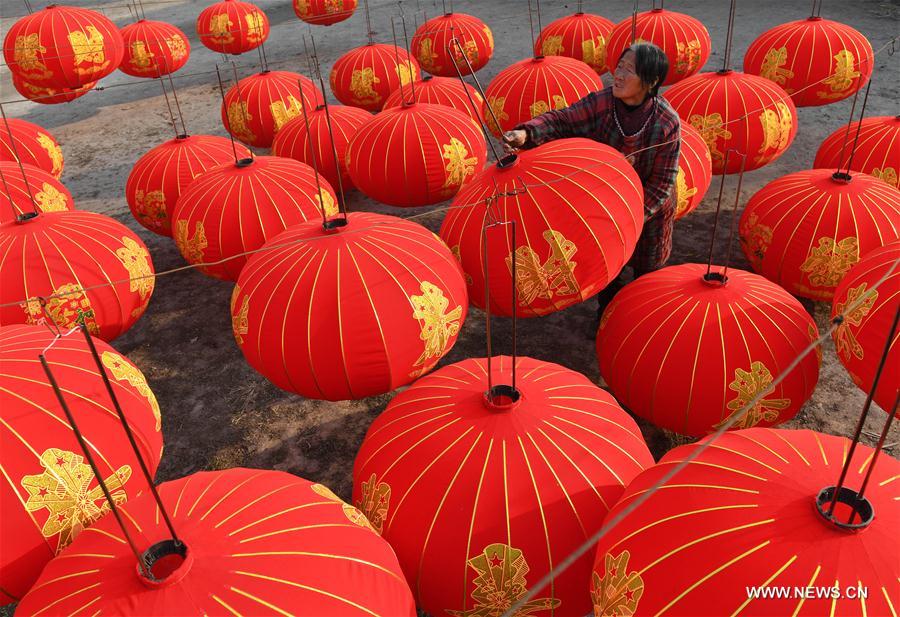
(722, 277)
(369, 32)
(239, 162)
(862, 114)
(634, 14)
(24, 216)
(465, 58)
(406, 66)
(159, 76)
(729, 38)
(816, 9)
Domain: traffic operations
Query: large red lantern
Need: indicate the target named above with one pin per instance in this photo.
(481, 494)
(578, 217)
(318, 145)
(694, 171)
(49, 95)
(742, 518)
(254, 542)
(531, 87)
(581, 36)
(63, 47)
(92, 270)
(684, 40)
(365, 76)
(441, 91)
(153, 48)
(324, 12)
(50, 495)
(686, 351)
(36, 191)
(257, 107)
(236, 207)
(804, 230)
(877, 151)
(817, 61)
(159, 176)
(430, 42)
(368, 306)
(417, 154)
(748, 113)
(232, 27)
(860, 339)
(24, 141)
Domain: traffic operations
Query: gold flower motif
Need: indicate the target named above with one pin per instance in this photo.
(374, 502)
(459, 164)
(772, 66)
(353, 515)
(87, 47)
(593, 52)
(712, 128)
(687, 57)
(50, 199)
(827, 264)
(123, 370)
(552, 45)
(747, 385)
(683, 193)
(53, 151)
(438, 325)
(555, 276)
(842, 77)
(191, 247)
(362, 82)
(618, 591)
(845, 341)
(136, 260)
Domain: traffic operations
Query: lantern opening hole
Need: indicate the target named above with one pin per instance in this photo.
(335, 223)
(507, 161)
(181, 136)
(428, 78)
(25, 216)
(167, 562)
(502, 397)
(715, 279)
(851, 507)
(841, 177)
(244, 162)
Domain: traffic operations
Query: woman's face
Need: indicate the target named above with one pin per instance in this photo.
(626, 83)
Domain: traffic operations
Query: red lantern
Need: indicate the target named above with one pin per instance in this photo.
(415, 155)
(581, 36)
(481, 495)
(741, 518)
(258, 106)
(365, 76)
(441, 91)
(237, 207)
(50, 494)
(686, 352)
(861, 337)
(92, 269)
(255, 543)
(429, 44)
(735, 110)
(683, 39)
(369, 306)
(232, 27)
(32, 144)
(293, 141)
(153, 48)
(817, 61)
(46, 95)
(877, 152)
(694, 171)
(324, 12)
(531, 87)
(577, 225)
(37, 190)
(63, 47)
(804, 230)
(159, 176)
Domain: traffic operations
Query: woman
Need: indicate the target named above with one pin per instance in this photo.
(631, 117)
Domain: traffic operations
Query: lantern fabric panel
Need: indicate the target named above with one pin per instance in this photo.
(32, 144)
(37, 190)
(232, 27)
(430, 41)
(877, 152)
(324, 12)
(694, 171)
(441, 91)
(153, 48)
(365, 76)
(581, 36)
(49, 95)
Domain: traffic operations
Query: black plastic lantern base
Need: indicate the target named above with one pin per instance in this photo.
(861, 508)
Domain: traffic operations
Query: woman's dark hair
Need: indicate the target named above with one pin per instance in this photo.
(650, 64)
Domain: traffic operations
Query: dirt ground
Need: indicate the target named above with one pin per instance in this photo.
(217, 411)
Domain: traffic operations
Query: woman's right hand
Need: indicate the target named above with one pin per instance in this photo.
(513, 140)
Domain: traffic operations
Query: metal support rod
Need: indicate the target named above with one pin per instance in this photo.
(862, 114)
(847, 132)
(342, 208)
(726, 65)
(715, 229)
(168, 103)
(531, 23)
(734, 217)
(15, 149)
(480, 89)
(369, 32)
(634, 14)
(315, 158)
(227, 119)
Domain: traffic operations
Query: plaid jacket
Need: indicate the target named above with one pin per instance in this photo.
(592, 117)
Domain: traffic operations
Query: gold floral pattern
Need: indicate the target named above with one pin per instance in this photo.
(191, 247)
(459, 164)
(325, 202)
(438, 325)
(426, 56)
(593, 52)
(458, 256)
(539, 107)
(555, 276)
(687, 58)
(712, 128)
(845, 340)
(239, 323)
(220, 26)
(489, 36)
(136, 260)
(150, 209)
(406, 72)
(374, 502)
(50, 199)
(67, 307)
(773, 66)
(53, 151)
(683, 193)
(618, 591)
(141, 57)
(747, 385)
(552, 45)
(776, 125)
(123, 370)
(362, 82)
(842, 77)
(177, 47)
(283, 110)
(497, 104)
(827, 263)
(888, 174)
(255, 26)
(25, 55)
(87, 47)
(470, 49)
(353, 515)
(756, 238)
(239, 121)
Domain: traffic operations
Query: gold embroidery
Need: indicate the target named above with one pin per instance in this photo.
(53, 151)
(470, 49)
(50, 199)
(827, 264)
(374, 502)
(326, 202)
(490, 37)
(353, 515)
(756, 239)
(540, 280)
(552, 45)
(593, 52)
(539, 107)
(459, 164)
(25, 55)
(501, 583)
(239, 323)
(618, 591)
(141, 57)
(176, 47)
(239, 121)
(67, 307)
(361, 85)
(496, 103)
(748, 384)
(438, 325)
(191, 248)
(220, 28)
(302, 7)
(772, 65)
(255, 27)
(683, 193)
(458, 256)
(426, 55)
(282, 111)
(124, 370)
(63, 490)
(406, 72)
(687, 57)
(88, 49)
(842, 77)
(136, 260)
(776, 125)
(845, 342)
(151, 208)
(711, 127)
(888, 174)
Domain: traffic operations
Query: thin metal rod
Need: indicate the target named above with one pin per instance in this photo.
(369, 32)
(878, 448)
(28, 7)
(397, 59)
(15, 148)
(475, 108)
(734, 216)
(227, 119)
(715, 229)
(862, 114)
(406, 66)
(531, 23)
(847, 132)
(168, 103)
(141, 5)
(580, 7)
(634, 14)
(342, 208)
(726, 65)
(12, 205)
(540, 24)
(315, 158)
(177, 104)
(487, 297)
(515, 301)
(240, 97)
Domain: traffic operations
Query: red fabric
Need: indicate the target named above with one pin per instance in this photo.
(324, 12)
(694, 171)
(65, 254)
(576, 226)
(259, 105)
(804, 230)
(153, 48)
(531, 87)
(430, 41)
(441, 91)
(581, 36)
(416, 155)
(35, 433)
(160, 175)
(686, 354)
(37, 190)
(33, 144)
(63, 47)
(293, 141)
(231, 209)
(747, 113)
(817, 61)
(47, 95)
(741, 515)
(877, 152)
(683, 39)
(258, 543)
(365, 76)
(232, 27)
(368, 307)
(456, 484)
(861, 338)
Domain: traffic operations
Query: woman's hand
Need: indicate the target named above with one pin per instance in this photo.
(513, 140)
